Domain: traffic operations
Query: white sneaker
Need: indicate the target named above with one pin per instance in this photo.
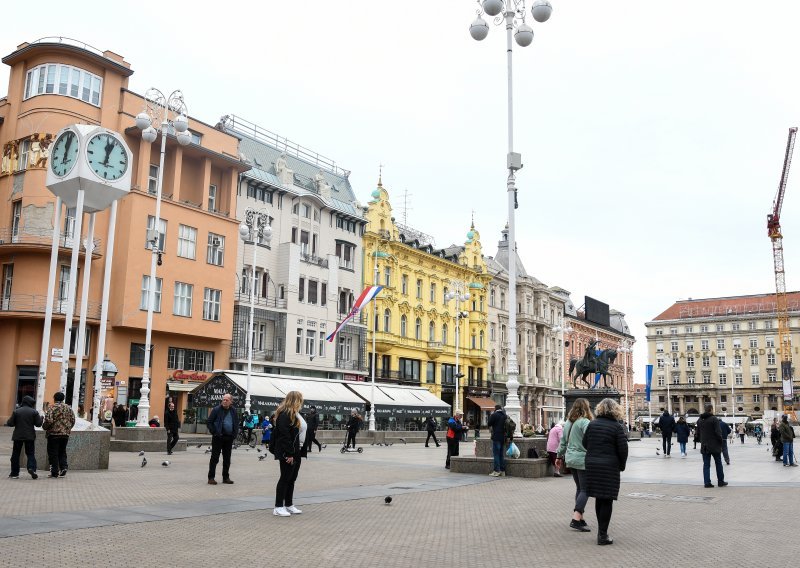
(495, 474)
(281, 512)
(293, 510)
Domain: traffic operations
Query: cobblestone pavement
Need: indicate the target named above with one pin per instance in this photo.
(169, 514)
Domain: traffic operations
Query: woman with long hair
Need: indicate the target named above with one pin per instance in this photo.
(290, 435)
(606, 454)
(572, 452)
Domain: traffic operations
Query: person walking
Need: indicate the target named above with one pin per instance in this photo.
(497, 425)
(24, 419)
(726, 432)
(787, 439)
(266, 430)
(453, 436)
(682, 434)
(430, 426)
(711, 444)
(313, 425)
(172, 425)
(606, 454)
(667, 424)
(290, 448)
(57, 424)
(353, 426)
(742, 431)
(572, 452)
(223, 425)
(553, 441)
(775, 440)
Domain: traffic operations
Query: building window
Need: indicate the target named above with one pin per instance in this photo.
(137, 355)
(690, 361)
(720, 327)
(481, 337)
(306, 211)
(190, 359)
(723, 379)
(770, 358)
(16, 220)
(772, 376)
(751, 325)
(720, 360)
(419, 289)
(65, 80)
(444, 334)
(298, 346)
(754, 359)
(756, 398)
(431, 331)
(216, 249)
(345, 350)
(212, 198)
(430, 374)
(674, 345)
(321, 351)
(755, 378)
(212, 300)
(418, 329)
(704, 344)
(146, 291)
(387, 321)
(753, 343)
(502, 300)
(689, 346)
(768, 324)
(152, 180)
(187, 241)
(403, 325)
(769, 341)
(301, 289)
(162, 233)
(737, 378)
(387, 276)
(492, 331)
(313, 288)
(706, 361)
(720, 344)
(346, 254)
(323, 296)
(433, 293)
(735, 327)
(404, 284)
(310, 336)
(8, 278)
(182, 305)
(737, 343)
(659, 331)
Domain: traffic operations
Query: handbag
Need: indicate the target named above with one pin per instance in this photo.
(564, 470)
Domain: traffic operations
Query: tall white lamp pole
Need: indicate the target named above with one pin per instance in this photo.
(376, 255)
(733, 366)
(513, 13)
(157, 110)
(255, 228)
(459, 295)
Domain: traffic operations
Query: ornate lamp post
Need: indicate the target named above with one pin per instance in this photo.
(625, 348)
(170, 116)
(459, 295)
(561, 330)
(255, 229)
(733, 366)
(513, 13)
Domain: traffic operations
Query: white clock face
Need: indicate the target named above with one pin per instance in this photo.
(107, 156)
(64, 153)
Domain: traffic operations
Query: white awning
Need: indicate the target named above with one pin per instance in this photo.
(401, 400)
(176, 386)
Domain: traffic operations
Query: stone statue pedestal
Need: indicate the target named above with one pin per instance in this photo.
(594, 396)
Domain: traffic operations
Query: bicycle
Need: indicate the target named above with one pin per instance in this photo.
(242, 438)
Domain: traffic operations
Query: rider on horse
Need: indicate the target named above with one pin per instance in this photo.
(590, 356)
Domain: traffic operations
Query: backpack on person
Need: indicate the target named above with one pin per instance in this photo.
(510, 427)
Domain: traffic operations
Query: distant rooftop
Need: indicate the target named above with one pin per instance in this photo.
(764, 304)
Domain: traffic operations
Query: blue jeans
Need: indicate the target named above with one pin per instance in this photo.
(683, 447)
(499, 457)
(707, 468)
(788, 453)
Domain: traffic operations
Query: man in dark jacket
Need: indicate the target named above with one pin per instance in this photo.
(430, 426)
(667, 424)
(787, 439)
(454, 429)
(223, 425)
(708, 427)
(24, 419)
(497, 425)
(172, 425)
(312, 424)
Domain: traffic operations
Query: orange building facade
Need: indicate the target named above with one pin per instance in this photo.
(53, 84)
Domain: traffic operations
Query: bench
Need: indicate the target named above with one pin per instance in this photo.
(520, 467)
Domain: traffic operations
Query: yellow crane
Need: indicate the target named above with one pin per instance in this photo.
(781, 307)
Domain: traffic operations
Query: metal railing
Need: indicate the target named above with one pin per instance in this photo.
(34, 303)
(240, 352)
(349, 365)
(40, 237)
(259, 301)
(312, 259)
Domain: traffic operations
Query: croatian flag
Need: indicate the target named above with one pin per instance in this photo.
(368, 294)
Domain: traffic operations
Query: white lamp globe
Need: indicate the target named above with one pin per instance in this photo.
(492, 7)
(181, 123)
(149, 134)
(541, 10)
(523, 35)
(244, 231)
(466, 296)
(184, 137)
(479, 29)
(143, 120)
(267, 232)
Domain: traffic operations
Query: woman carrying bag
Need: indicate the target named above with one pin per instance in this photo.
(572, 452)
(289, 435)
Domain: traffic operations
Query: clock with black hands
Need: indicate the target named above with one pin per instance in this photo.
(107, 156)
(64, 153)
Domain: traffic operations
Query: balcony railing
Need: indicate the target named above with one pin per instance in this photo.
(34, 303)
(40, 237)
(240, 352)
(360, 319)
(260, 302)
(350, 365)
(312, 259)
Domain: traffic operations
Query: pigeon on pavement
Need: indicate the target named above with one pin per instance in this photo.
(260, 458)
(165, 463)
(141, 453)
(144, 462)
(388, 500)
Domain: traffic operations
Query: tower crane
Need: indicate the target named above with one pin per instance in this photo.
(781, 307)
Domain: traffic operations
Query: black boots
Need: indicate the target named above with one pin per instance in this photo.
(579, 526)
(603, 539)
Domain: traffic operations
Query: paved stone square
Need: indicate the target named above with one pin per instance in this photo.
(156, 515)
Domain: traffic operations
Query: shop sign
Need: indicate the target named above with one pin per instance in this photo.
(181, 375)
(348, 377)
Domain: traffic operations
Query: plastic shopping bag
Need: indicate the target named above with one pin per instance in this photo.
(512, 451)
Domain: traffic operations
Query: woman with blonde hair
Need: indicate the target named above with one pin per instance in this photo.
(606, 454)
(290, 435)
(572, 452)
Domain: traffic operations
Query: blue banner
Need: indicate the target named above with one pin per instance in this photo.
(648, 382)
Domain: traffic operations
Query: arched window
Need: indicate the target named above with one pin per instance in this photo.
(418, 329)
(474, 341)
(492, 364)
(481, 340)
(403, 325)
(431, 332)
(503, 333)
(503, 365)
(444, 334)
(387, 321)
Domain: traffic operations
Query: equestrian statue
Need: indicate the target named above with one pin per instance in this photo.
(593, 363)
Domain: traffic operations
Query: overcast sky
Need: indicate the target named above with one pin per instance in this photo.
(652, 133)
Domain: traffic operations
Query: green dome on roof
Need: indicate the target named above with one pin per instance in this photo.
(376, 194)
(471, 235)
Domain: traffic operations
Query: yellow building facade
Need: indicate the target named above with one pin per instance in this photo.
(414, 325)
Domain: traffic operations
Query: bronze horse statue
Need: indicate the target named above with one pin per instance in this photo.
(598, 365)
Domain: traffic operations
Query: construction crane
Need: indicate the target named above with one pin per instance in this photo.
(781, 307)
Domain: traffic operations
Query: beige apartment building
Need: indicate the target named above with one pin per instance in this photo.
(54, 83)
(722, 351)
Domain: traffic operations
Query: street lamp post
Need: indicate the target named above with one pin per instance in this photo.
(459, 295)
(157, 110)
(561, 330)
(625, 348)
(513, 13)
(376, 255)
(733, 366)
(255, 228)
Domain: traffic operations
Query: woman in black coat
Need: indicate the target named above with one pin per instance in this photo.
(606, 454)
(682, 433)
(288, 442)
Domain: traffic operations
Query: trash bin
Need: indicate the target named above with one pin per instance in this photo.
(130, 423)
